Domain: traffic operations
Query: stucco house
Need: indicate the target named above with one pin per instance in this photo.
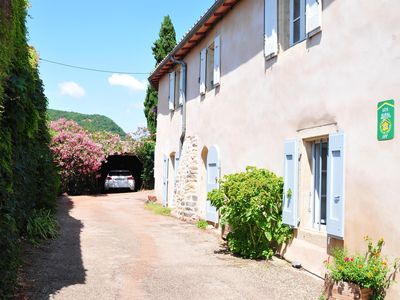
(293, 86)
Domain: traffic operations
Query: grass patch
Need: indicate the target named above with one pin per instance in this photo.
(158, 209)
(202, 224)
(42, 225)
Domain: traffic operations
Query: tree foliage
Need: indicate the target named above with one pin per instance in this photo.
(161, 47)
(145, 153)
(150, 109)
(28, 178)
(91, 123)
(166, 40)
(251, 203)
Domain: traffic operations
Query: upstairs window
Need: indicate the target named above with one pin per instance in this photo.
(210, 73)
(177, 88)
(210, 67)
(297, 21)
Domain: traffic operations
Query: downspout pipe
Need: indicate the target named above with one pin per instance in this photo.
(183, 74)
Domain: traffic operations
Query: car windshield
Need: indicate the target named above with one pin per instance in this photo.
(119, 173)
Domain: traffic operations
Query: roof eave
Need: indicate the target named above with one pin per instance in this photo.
(166, 63)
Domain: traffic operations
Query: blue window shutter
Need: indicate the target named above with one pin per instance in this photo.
(165, 181)
(176, 166)
(313, 17)
(291, 183)
(181, 87)
(217, 61)
(335, 188)
(203, 55)
(213, 175)
(271, 28)
(171, 97)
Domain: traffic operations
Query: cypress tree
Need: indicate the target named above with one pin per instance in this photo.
(161, 47)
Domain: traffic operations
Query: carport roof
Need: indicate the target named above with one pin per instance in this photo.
(194, 35)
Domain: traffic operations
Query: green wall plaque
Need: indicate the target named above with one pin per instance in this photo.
(386, 120)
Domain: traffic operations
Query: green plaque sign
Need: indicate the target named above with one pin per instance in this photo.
(386, 120)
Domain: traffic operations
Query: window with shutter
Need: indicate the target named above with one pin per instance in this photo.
(297, 21)
(336, 182)
(165, 181)
(182, 80)
(171, 97)
(271, 28)
(319, 150)
(313, 17)
(210, 67)
(203, 54)
(217, 61)
(290, 188)
(177, 87)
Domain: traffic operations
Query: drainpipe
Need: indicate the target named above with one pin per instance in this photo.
(183, 74)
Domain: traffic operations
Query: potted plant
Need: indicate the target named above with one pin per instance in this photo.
(359, 276)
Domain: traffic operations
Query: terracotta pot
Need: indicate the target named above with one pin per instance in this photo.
(345, 291)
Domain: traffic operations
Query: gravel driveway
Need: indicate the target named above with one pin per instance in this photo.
(110, 247)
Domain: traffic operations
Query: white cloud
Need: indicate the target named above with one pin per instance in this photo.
(134, 106)
(138, 105)
(127, 81)
(72, 89)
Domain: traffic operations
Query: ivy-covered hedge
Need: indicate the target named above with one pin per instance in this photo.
(28, 179)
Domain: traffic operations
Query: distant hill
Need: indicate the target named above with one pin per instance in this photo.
(91, 123)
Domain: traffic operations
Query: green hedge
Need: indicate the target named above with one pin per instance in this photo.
(28, 179)
(251, 203)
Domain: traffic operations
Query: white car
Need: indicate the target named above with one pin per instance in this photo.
(119, 179)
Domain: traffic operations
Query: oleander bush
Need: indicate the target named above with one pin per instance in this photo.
(77, 156)
(251, 203)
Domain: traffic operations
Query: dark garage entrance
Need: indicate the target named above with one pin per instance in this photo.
(122, 162)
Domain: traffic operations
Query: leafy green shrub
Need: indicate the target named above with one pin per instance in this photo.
(251, 203)
(158, 209)
(42, 225)
(202, 224)
(145, 153)
(370, 270)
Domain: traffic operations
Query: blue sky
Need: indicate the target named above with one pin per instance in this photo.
(100, 34)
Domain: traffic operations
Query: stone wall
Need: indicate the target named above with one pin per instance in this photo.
(187, 181)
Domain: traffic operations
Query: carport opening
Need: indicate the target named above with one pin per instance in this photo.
(122, 162)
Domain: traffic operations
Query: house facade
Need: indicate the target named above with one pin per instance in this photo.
(298, 87)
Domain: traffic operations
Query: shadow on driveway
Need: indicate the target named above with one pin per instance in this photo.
(57, 263)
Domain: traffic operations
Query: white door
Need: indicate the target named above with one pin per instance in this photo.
(165, 181)
(213, 175)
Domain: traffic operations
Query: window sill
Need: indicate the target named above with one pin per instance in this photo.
(312, 236)
(298, 42)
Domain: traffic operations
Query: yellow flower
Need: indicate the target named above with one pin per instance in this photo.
(384, 263)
